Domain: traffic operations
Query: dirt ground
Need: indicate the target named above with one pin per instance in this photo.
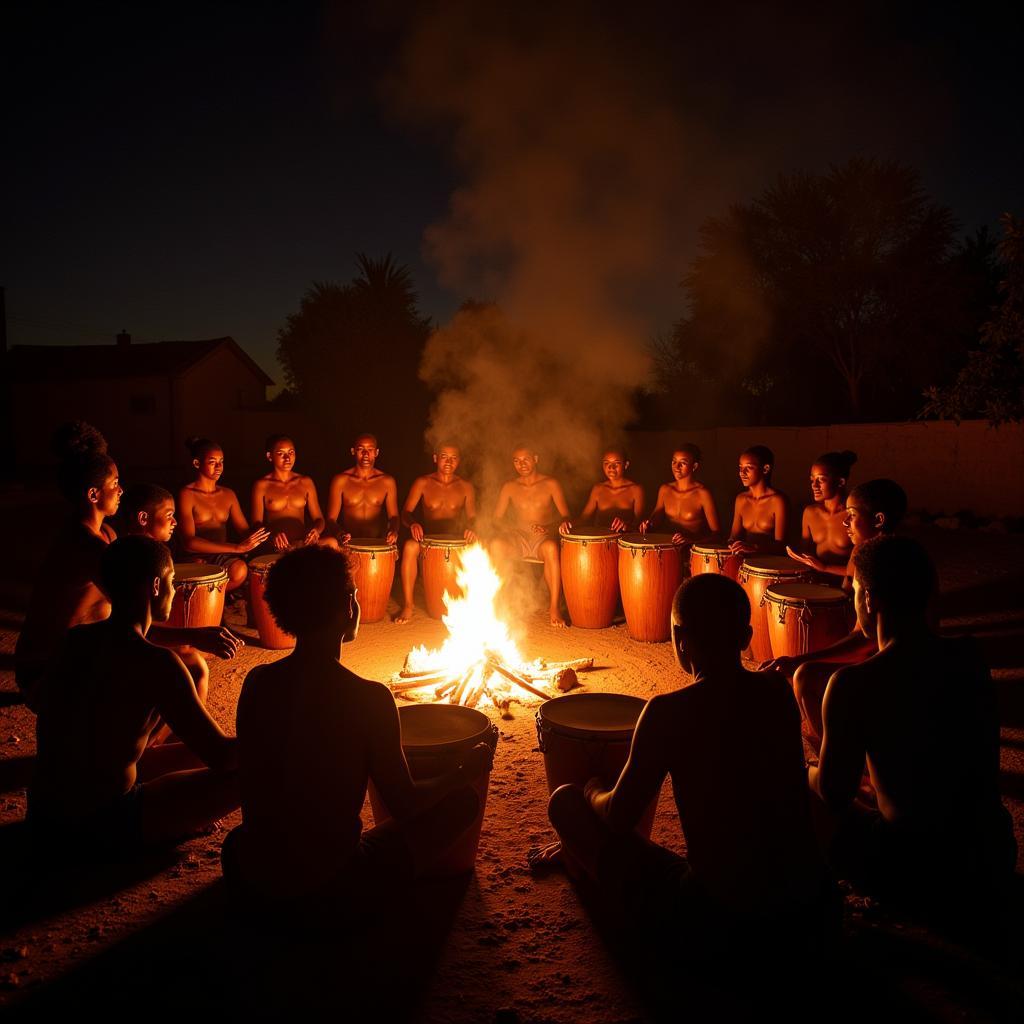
(499, 945)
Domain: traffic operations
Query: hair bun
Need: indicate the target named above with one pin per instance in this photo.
(78, 439)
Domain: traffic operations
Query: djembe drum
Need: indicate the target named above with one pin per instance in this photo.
(805, 617)
(590, 577)
(650, 571)
(756, 575)
(271, 634)
(441, 564)
(373, 571)
(199, 591)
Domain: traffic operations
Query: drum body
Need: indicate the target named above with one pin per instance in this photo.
(199, 591)
(756, 575)
(716, 558)
(436, 739)
(805, 617)
(590, 578)
(271, 634)
(650, 571)
(583, 735)
(373, 569)
(441, 563)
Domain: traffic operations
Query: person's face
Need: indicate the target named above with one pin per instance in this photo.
(751, 471)
(163, 596)
(524, 461)
(862, 605)
(860, 524)
(614, 465)
(447, 460)
(161, 523)
(683, 465)
(823, 484)
(107, 497)
(365, 451)
(282, 457)
(211, 465)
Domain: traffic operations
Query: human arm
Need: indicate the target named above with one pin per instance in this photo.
(504, 496)
(470, 512)
(558, 498)
(315, 514)
(850, 648)
(217, 640)
(391, 507)
(657, 517)
(409, 508)
(707, 503)
(781, 510)
(737, 533)
(251, 539)
(836, 777)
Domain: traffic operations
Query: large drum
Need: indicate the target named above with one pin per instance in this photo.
(756, 575)
(805, 617)
(271, 634)
(436, 739)
(590, 577)
(716, 558)
(441, 563)
(198, 595)
(373, 568)
(583, 735)
(650, 571)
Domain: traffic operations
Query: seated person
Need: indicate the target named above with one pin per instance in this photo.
(100, 789)
(824, 539)
(685, 507)
(760, 514)
(283, 500)
(301, 848)
(731, 744)
(206, 508)
(872, 508)
(363, 500)
(922, 713)
(448, 507)
(617, 503)
(531, 496)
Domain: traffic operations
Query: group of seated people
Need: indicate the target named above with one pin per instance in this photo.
(129, 756)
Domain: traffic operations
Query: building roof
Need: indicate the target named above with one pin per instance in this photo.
(90, 362)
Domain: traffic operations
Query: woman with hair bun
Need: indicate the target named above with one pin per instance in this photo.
(825, 543)
(760, 514)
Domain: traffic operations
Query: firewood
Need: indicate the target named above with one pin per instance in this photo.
(408, 684)
(425, 674)
(460, 687)
(576, 664)
(519, 681)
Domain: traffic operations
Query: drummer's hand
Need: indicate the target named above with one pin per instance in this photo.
(541, 528)
(799, 556)
(216, 640)
(566, 528)
(618, 525)
(281, 541)
(391, 536)
(786, 665)
(313, 537)
(741, 547)
(645, 525)
(417, 532)
(679, 538)
(478, 760)
(254, 540)
(471, 536)
(344, 538)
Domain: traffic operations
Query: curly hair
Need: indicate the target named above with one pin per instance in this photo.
(714, 607)
(84, 462)
(131, 562)
(308, 589)
(897, 571)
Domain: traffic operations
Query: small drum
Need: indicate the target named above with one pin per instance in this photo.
(650, 571)
(198, 595)
(441, 562)
(583, 735)
(805, 617)
(716, 558)
(271, 634)
(373, 567)
(436, 739)
(756, 575)
(590, 578)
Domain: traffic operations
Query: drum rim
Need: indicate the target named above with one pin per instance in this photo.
(370, 544)
(644, 543)
(792, 599)
(574, 537)
(447, 709)
(712, 549)
(444, 540)
(217, 574)
(588, 731)
(797, 568)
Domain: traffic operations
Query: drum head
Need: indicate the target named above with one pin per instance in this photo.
(579, 536)
(712, 550)
(646, 540)
(196, 573)
(592, 715)
(805, 593)
(370, 544)
(427, 726)
(444, 540)
(773, 565)
(262, 563)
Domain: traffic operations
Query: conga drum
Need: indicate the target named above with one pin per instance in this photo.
(436, 739)
(716, 558)
(198, 595)
(590, 577)
(805, 617)
(587, 735)
(756, 575)
(650, 571)
(441, 563)
(373, 568)
(271, 634)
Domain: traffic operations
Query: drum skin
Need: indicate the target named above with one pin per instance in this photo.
(650, 571)
(436, 739)
(588, 735)
(756, 575)
(199, 591)
(590, 578)
(805, 617)
(373, 569)
(271, 634)
(716, 558)
(441, 563)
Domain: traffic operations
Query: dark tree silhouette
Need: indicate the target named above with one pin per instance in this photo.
(992, 382)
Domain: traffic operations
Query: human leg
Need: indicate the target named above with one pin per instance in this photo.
(809, 683)
(181, 802)
(553, 577)
(410, 566)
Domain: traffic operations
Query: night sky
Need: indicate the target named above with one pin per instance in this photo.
(188, 172)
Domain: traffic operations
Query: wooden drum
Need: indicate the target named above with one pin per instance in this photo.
(373, 569)
(587, 735)
(271, 634)
(590, 578)
(436, 739)
(198, 595)
(716, 558)
(805, 617)
(441, 563)
(650, 571)
(756, 575)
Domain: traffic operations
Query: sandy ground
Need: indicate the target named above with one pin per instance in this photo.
(499, 945)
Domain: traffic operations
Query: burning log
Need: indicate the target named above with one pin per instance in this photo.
(518, 680)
